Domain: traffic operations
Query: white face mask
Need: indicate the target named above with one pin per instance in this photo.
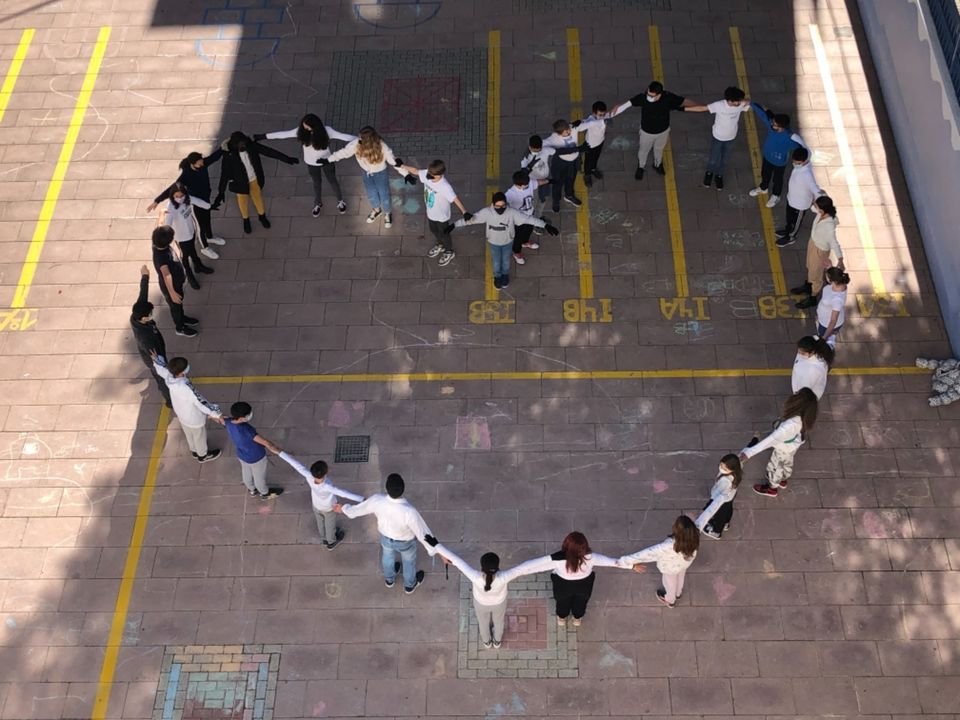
(652, 98)
(722, 469)
(249, 417)
(185, 371)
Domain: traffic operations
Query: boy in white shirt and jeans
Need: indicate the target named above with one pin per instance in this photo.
(726, 123)
(324, 498)
(438, 195)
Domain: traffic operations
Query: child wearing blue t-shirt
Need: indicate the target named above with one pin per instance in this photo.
(251, 451)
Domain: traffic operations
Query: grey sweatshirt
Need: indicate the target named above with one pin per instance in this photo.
(501, 228)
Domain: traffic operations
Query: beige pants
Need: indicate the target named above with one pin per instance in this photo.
(817, 261)
(196, 439)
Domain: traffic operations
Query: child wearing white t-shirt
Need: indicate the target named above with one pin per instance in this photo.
(830, 309)
(438, 196)
(726, 122)
(520, 197)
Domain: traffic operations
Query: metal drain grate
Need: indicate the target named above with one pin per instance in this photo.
(352, 449)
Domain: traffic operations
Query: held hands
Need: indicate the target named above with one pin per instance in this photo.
(218, 419)
(410, 179)
(431, 540)
(640, 568)
(469, 216)
(322, 161)
(144, 271)
(397, 162)
(293, 161)
(338, 508)
(576, 123)
(257, 137)
(551, 230)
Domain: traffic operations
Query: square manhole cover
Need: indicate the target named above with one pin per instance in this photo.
(352, 449)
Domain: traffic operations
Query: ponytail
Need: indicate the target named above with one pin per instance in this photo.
(489, 566)
(836, 275)
(817, 346)
(825, 203)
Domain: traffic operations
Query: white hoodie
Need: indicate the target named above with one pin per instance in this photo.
(191, 407)
(182, 219)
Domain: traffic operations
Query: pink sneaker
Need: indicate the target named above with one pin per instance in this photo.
(519, 258)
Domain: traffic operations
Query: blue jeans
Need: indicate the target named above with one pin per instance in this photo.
(408, 556)
(500, 254)
(378, 190)
(719, 149)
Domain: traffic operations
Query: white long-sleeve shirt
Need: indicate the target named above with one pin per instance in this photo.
(396, 518)
(350, 150)
(557, 564)
(324, 494)
(310, 153)
(596, 127)
(787, 437)
(501, 227)
(810, 372)
(668, 560)
(182, 219)
(566, 147)
(538, 163)
(498, 588)
(823, 234)
(722, 492)
(802, 189)
(191, 407)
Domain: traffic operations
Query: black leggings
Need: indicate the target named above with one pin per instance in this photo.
(203, 220)
(190, 257)
(572, 595)
(721, 518)
(520, 236)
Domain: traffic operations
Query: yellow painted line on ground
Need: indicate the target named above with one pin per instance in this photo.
(10, 81)
(584, 250)
(122, 607)
(60, 172)
(846, 158)
(493, 148)
(756, 160)
(673, 202)
(547, 375)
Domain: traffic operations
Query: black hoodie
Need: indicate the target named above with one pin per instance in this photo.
(147, 335)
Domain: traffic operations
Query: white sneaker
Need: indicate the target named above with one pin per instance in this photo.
(772, 202)
(446, 258)
(209, 252)
(434, 251)
(217, 241)
(757, 191)
(519, 259)
(388, 220)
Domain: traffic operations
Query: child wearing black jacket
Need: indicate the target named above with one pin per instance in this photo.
(242, 171)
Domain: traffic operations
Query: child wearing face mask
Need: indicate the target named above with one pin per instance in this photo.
(777, 146)
(323, 495)
(537, 162)
(251, 451)
(520, 198)
(715, 518)
(502, 222)
(180, 216)
(595, 127)
(191, 408)
(812, 365)
(655, 108)
(802, 190)
(565, 162)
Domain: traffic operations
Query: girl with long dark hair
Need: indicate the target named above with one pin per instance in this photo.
(315, 138)
(673, 556)
(718, 512)
(790, 432)
(195, 177)
(812, 365)
(830, 310)
(180, 215)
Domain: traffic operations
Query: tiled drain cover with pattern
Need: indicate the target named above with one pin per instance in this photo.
(217, 682)
(352, 449)
(533, 645)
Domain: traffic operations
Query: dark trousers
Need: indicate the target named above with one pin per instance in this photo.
(721, 518)
(772, 173)
(316, 174)
(176, 309)
(564, 175)
(521, 235)
(543, 191)
(188, 250)
(591, 158)
(572, 595)
(203, 220)
(794, 220)
(443, 238)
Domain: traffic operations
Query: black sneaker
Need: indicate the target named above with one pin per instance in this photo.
(753, 441)
(804, 289)
(556, 207)
(187, 320)
(316, 209)
(707, 179)
(588, 180)
(497, 282)
(660, 169)
(573, 200)
(504, 281)
(598, 174)
(783, 242)
(718, 182)
(193, 282)
(247, 227)
(339, 538)
(412, 590)
(638, 174)
(210, 456)
(187, 332)
(253, 493)
(264, 220)
(389, 583)
(497, 644)
(341, 207)
(205, 269)
(271, 493)
(662, 597)
(810, 302)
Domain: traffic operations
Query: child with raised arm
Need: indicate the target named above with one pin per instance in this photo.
(673, 556)
(323, 495)
(489, 590)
